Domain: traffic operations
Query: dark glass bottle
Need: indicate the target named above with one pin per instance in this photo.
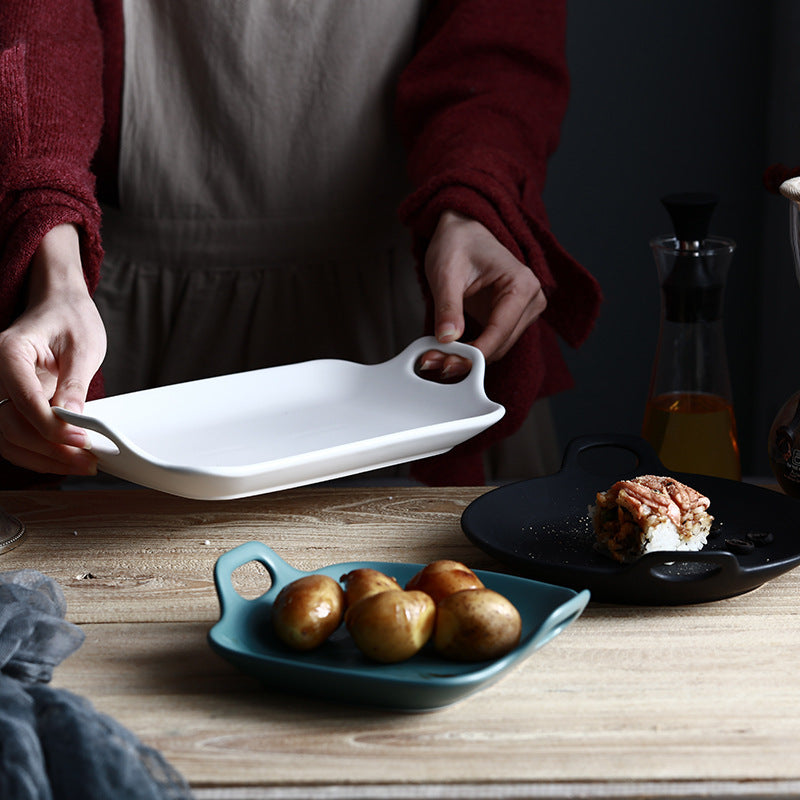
(783, 443)
(689, 416)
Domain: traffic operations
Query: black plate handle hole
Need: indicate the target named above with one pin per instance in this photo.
(678, 571)
(608, 460)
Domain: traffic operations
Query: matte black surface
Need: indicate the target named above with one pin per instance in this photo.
(690, 213)
(541, 528)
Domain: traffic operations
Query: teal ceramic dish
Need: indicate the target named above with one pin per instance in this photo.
(338, 671)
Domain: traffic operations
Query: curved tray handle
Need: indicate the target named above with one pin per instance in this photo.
(561, 618)
(127, 450)
(407, 360)
(647, 461)
(723, 567)
(278, 569)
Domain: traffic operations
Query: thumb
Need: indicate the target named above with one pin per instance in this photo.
(448, 306)
(73, 385)
(71, 394)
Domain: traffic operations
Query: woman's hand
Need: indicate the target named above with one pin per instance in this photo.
(469, 271)
(48, 356)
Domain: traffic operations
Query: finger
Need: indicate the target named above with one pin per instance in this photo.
(33, 412)
(430, 361)
(506, 322)
(71, 393)
(75, 371)
(22, 445)
(448, 304)
(435, 365)
(25, 388)
(494, 345)
(455, 367)
(74, 374)
(512, 311)
(78, 462)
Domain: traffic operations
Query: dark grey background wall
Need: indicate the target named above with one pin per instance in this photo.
(672, 96)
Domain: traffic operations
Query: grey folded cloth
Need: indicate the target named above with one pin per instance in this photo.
(53, 744)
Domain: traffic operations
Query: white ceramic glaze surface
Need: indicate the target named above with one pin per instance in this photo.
(271, 429)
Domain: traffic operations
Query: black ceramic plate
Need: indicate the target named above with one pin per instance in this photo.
(541, 528)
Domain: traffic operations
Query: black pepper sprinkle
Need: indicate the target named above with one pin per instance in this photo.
(741, 546)
(760, 538)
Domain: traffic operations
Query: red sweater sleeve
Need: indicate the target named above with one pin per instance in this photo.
(50, 120)
(480, 108)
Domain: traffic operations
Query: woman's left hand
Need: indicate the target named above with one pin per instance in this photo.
(470, 271)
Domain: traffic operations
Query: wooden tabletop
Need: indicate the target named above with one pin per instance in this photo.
(693, 701)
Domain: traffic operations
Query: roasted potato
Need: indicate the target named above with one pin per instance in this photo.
(476, 625)
(307, 611)
(444, 577)
(363, 582)
(393, 625)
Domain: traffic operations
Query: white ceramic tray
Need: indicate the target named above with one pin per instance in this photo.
(271, 429)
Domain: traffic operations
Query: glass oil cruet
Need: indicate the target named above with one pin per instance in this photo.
(689, 418)
(783, 443)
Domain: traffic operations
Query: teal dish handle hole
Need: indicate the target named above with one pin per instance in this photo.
(248, 572)
(251, 580)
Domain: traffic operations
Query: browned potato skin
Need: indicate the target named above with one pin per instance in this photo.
(393, 625)
(363, 582)
(442, 578)
(307, 611)
(476, 625)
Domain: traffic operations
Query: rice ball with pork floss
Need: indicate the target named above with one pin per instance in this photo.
(650, 513)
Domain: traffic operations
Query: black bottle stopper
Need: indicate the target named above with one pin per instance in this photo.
(690, 213)
(692, 289)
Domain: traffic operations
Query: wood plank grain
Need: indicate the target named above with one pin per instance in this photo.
(144, 556)
(697, 696)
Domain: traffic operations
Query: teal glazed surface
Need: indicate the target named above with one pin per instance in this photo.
(339, 671)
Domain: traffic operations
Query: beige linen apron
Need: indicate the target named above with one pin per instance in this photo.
(259, 180)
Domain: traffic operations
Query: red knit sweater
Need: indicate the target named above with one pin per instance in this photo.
(479, 107)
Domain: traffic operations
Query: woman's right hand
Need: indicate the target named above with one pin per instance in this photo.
(470, 271)
(48, 356)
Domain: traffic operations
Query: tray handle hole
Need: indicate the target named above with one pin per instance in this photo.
(678, 571)
(436, 361)
(251, 580)
(608, 459)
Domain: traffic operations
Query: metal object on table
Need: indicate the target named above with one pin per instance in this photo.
(12, 532)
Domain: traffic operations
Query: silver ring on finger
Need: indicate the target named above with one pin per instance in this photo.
(4, 401)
